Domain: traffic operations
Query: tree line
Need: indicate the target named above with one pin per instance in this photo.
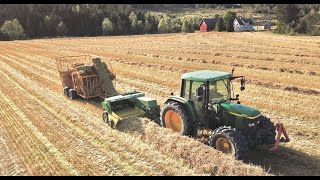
(20, 21)
(298, 19)
(23, 21)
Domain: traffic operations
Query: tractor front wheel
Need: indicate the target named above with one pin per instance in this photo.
(266, 131)
(176, 117)
(230, 141)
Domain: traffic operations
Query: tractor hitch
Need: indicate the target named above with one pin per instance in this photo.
(280, 130)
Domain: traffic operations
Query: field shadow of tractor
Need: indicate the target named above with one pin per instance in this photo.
(286, 161)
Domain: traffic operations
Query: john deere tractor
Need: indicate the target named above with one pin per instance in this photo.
(206, 101)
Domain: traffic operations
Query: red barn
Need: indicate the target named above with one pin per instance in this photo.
(207, 24)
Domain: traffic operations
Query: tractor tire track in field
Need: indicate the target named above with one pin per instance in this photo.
(10, 165)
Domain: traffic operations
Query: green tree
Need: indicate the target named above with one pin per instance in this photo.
(228, 18)
(302, 27)
(162, 26)
(107, 26)
(187, 26)
(287, 13)
(312, 21)
(220, 25)
(148, 22)
(50, 24)
(62, 29)
(166, 25)
(140, 27)
(13, 29)
(287, 16)
(177, 24)
(134, 22)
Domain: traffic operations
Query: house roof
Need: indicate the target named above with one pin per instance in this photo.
(209, 21)
(242, 20)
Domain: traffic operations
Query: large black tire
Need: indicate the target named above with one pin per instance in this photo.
(266, 133)
(234, 142)
(106, 119)
(187, 127)
(72, 94)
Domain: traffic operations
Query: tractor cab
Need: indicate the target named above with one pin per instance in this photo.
(206, 90)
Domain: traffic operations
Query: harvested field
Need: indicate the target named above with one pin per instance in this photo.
(44, 133)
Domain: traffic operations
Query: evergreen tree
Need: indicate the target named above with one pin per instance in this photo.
(187, 27)
(228, 18)
(62, 29)
(220, 25)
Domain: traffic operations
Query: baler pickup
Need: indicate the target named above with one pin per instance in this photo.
(133, 104)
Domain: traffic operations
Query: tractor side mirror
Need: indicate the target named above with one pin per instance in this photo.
(200, 93)
(242, 82)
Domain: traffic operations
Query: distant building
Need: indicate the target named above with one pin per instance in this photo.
(242, 24)
(207, 24)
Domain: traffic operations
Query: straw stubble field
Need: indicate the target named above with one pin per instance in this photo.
(44, 133)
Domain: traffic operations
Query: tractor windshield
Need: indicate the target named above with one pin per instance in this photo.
(219, 90)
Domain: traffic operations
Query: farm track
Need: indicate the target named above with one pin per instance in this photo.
(30, 66)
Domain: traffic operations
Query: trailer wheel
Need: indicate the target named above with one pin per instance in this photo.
(105, 117)
(229, 141)
(65, 91)
(72, 94)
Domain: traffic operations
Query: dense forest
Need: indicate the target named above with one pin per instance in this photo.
(298, 19)
(21, 21)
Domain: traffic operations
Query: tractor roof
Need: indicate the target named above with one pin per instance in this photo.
(205, 75)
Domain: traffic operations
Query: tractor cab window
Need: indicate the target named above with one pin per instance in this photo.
(196, 86)
(219, 90)
(198, 96)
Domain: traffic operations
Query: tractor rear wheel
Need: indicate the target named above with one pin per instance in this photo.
(230, 141)
(176, 117)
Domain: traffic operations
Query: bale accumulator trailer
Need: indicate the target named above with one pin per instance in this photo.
(89, 77)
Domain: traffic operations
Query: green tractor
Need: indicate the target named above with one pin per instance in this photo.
(206, 102)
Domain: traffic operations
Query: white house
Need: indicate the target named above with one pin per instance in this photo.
(242, 24)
